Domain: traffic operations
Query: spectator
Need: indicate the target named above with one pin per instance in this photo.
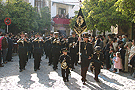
(113, 61)
(1, 37)
(126, 46)
(10, 48)
(115, 44)
(111, 57)
(122, 53)
(124, 39)
(4, 48)
(101, 43)
(104, 41)
(118, 64)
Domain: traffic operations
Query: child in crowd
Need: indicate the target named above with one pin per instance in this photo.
(118, 62)
(114, 58)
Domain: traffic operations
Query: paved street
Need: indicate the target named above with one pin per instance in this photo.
(47, 79)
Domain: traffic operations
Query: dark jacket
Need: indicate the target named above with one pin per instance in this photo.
(67, 58)
(4, 43)
(86, 50)
(10, 44)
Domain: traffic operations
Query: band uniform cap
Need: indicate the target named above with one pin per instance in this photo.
(22, 33)
(73, 33)
(85, 35)
(64, 50)
(37, 33)
(56, 33)
(97, 49)
(51, 32)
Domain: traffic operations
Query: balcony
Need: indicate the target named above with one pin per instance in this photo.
(61, 20)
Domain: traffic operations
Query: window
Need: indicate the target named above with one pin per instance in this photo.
(39, 4)
(62, 11)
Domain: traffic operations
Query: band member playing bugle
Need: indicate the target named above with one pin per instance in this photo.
(65, 61)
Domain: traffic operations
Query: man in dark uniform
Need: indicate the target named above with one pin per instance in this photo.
(56, 47)
(22, 42)
(37, 44)
(49, 48)
(30, 46)
(64, 42)
(10, 48)
(65, 61)
(72, 41)
(87, 51)
(97, 62)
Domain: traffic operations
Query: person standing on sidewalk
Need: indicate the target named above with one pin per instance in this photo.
(10, 48)
(1, 37)
(5, 48)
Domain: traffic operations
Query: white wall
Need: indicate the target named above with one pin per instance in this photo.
(70, 9)
(53, 10)
(32, 2)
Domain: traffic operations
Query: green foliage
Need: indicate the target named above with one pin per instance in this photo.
(102, 14)
(24, 17)
(127, 7)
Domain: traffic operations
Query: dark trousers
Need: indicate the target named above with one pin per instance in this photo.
(50, 58)
(9, 55)
(65, 73)
(55, 60)
(29, 54)
(37, 59)
(96, 73)
(22, 61)
(73, 59)
(4, 54)
(108, 66)
(83, 73)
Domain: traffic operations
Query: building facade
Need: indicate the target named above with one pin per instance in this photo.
(61, 13)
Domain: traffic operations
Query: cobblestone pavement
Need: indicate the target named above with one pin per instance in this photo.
(47, 79)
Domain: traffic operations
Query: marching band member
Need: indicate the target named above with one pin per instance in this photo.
(56, 47)
(72, 41)
(37, 44)
(87, 51)
(22, 42)
(65, 61)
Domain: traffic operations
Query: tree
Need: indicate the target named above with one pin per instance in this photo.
(127, 7)
(24, 17)
(102, 14)
(45, 19)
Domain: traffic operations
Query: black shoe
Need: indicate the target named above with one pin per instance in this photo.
(82, 80)
(5, 62)
(67, 80)
(1, 65)
(73, 68)
(64, 79)
(20, 70)
(23, 68)
(11, 61)
(35, 70)
(96, 80)
(38, 68)
(84, 83)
